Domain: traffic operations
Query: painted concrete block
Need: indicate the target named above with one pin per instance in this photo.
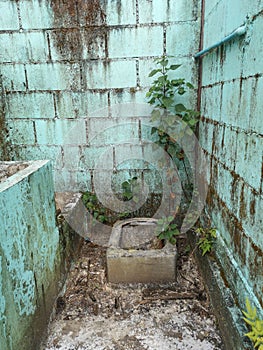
(36, 152)
(71, 104)
(23, 47)
(228, 152)
(174, 43)
(249, 159)
(90, 156)
(13, 77)
(81, 104)
(37, 46)
(135, 42)
(113, 131)
(215, 24)
(13, 43)
(157, 11)
(30, 105)
(78, 43)
(211, 102)
(97, 103)
(84, 181)
(126, 104)
(206, 136)
(256, 214)
(120, 12)
(253, 61)
(122, 96)
(256, 104)
(231, 62)
(211, 68)
(210, 6)
(36, 14)
(245, 104)
(71, 157)
(129, 154)
(9, 18)
(113, 74)
(224, 188)
(59, 132)
(94, 43)
(249, 214)
(53, 76)
(240, 8)
(230, 103)
(21, 132)
(66, 180)
(218, 137)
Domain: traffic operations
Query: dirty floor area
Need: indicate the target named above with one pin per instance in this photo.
(94, 314)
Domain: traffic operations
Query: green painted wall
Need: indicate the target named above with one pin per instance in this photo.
(29, 256)
(231, 133)
(65, 65)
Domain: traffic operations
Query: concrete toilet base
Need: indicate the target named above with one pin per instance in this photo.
(128, 259)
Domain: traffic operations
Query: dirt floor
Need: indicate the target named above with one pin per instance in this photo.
(95, 314)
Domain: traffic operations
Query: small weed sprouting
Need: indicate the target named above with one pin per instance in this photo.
(206, 240)
(256, 325)
(166, 230)
(131, 189)
(92, 203)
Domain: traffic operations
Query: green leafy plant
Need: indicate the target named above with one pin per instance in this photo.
(256, 325)
(163, 96)
(206, 240)
(166, 230)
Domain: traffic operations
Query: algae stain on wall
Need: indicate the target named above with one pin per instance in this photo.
(83, 28)
(4, 145)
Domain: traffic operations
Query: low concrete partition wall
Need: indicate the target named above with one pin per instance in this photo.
(32, 253)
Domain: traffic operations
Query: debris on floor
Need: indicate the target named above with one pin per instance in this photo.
(94, 314)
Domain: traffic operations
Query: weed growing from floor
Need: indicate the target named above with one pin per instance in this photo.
(255, 324)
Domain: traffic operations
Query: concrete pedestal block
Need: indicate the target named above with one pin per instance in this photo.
(129, 258)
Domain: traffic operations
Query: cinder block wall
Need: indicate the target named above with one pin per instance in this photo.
(65, 64)
(231, 133)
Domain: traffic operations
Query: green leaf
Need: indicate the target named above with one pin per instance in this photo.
(153, 72)
(189, 85)
(163, 62)
(167, 101)
(179, 108)
(174, 66)
(192, 122)
(177, 82)
(181, 90)
(162, 79)
(248, 321)
(156, 114)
